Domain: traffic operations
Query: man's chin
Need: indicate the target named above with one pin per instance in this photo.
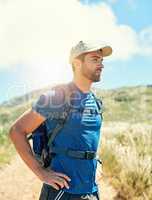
(97, 79)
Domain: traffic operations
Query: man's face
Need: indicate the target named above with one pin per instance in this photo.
(92, 66)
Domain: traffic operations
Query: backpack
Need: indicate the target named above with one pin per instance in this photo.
(42, 140)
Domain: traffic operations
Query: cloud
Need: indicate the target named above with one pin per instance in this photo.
(145, 41)
(34, 30)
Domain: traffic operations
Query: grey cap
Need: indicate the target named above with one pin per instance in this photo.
(84, 47)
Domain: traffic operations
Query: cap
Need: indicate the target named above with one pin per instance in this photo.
(84, 47)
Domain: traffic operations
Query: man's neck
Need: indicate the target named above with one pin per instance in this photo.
(83, 85)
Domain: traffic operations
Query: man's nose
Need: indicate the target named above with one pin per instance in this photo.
(100, 66)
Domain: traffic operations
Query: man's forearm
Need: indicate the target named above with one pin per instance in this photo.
(24, 149)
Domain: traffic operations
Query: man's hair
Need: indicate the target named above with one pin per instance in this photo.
(81, 57)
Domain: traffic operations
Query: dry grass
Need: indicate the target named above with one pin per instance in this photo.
(127, 155)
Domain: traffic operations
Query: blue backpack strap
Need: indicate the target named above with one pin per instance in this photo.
(99, 103)
(62, 118)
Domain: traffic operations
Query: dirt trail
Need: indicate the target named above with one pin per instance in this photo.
(17, 182)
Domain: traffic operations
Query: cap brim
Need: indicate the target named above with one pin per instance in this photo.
(106, 50)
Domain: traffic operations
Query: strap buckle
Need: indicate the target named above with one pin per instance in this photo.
(89, 155)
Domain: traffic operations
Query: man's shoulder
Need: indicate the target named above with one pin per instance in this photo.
(56, 95)
(53, 100)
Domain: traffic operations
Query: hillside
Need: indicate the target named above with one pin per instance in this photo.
(122, 104)
(131, 104)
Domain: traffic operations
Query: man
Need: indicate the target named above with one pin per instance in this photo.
(68, 177)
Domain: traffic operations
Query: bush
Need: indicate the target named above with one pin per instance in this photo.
(127, 158)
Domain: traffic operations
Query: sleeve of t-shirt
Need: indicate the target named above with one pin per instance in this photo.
(49, 103)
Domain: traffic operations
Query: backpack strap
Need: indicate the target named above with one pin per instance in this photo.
(75, 153)
(99, 103)
(65, 116)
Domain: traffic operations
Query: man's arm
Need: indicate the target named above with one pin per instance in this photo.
(24, 125)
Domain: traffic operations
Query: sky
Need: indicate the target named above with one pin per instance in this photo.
(36, 37)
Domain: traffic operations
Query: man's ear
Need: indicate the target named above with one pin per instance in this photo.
(77, 62)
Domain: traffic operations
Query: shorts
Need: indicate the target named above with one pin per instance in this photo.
(49, 193)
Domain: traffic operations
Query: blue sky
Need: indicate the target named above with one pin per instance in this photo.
(136, 13)
(20, 73)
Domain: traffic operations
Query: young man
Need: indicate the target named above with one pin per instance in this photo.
(68, 177)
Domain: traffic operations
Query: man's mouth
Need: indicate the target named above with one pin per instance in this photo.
(98, 71)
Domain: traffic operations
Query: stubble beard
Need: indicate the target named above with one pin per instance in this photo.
(94, 77)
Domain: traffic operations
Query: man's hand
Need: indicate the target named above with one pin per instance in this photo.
(55, 179)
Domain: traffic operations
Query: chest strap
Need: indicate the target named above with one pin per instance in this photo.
(88, 155)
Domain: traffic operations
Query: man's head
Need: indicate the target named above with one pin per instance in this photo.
(86, 59)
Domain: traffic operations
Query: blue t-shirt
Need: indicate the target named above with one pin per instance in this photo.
(81, 132)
